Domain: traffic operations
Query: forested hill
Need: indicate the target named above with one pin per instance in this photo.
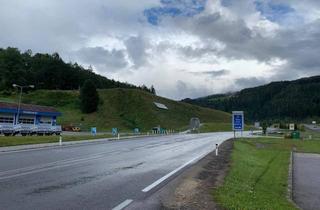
(47, 71)
(298, 99)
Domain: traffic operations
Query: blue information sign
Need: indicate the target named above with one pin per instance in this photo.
(114, 131)
(136, 130)
(237, 121)
(94, 131)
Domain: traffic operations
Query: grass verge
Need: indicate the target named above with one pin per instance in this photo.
(24, 140)
(259, 172)
(217, 127)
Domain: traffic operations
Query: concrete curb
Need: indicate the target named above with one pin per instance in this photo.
(290, 181)
(290, 178)
(67, 143)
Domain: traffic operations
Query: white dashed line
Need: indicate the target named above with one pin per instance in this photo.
(159, 181)
(123, 205)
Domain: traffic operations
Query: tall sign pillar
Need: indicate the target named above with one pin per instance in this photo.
(237, 122)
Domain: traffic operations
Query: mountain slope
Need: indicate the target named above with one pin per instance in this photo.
(297, 100)
(124, 109)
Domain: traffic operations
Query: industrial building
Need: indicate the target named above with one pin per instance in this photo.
(28, 119)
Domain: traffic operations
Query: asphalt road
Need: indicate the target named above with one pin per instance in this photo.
(108, 175)
(306, 181)
(313, 127)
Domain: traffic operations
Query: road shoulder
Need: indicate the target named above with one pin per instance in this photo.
(192, 189)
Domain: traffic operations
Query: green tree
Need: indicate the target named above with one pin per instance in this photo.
(48, 71)
(89, 98)
(153, 90)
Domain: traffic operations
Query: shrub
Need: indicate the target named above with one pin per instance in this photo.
(89, 98)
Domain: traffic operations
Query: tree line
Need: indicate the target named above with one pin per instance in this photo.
(49, 71)
(285, 100)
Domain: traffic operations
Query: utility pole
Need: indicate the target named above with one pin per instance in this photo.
(20, 97)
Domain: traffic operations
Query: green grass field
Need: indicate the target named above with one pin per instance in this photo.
(259, 172)
(24, 140)
(216, 127)
(309, 133)
(124, 109)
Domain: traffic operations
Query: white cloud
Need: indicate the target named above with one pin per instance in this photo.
(118, 41)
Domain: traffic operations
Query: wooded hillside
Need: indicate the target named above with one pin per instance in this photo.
(47, 71)
(299, 99)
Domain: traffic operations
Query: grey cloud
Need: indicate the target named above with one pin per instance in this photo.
(59, 26)
(217, 73)
(136, 48)
(104, 60)
(199, 52)
(185, 90)
(62, 26)
(227, 31)
(299, 46)
(213, 73)
(246, 82)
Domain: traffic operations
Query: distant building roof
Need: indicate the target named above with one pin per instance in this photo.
(28, 108)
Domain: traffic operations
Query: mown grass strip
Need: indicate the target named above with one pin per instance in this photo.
(24, 140)
(259, 173)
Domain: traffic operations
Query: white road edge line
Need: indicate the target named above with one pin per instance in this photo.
(123, 205)
(159, 181)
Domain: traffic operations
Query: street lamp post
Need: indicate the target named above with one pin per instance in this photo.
(19, 105)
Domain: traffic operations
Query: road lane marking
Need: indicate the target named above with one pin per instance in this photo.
(32, 170)
(162, 179)
(123, 205)
(53, 165)
(91, 142)
(55, 145)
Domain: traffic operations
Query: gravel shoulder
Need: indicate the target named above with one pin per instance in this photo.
(193, 189)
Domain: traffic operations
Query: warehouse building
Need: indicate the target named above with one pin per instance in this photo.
(29, 119)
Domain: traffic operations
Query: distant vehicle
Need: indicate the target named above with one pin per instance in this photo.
(76, 129)
(71, 128)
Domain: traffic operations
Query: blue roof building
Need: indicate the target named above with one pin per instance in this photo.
(29, 119)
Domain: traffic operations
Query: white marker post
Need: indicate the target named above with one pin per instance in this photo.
(60, 140)
(118, 136)
(217, 148)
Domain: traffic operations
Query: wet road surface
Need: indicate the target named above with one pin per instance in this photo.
(306, 180)
(98, 176)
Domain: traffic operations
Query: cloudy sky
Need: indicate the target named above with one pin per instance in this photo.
(185, 48)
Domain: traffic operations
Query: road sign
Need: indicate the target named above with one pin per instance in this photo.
(291, 127)
(237, 120)
(114, 131)
(136, 130)
(94, 131)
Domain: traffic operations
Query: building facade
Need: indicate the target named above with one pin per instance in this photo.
(29, 119)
